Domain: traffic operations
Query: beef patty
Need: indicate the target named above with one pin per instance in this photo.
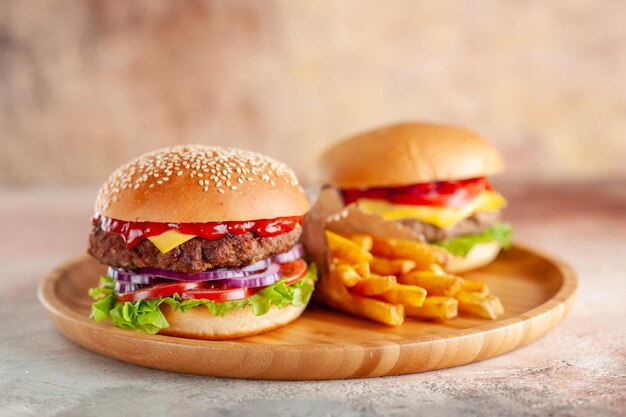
(195, 255)
(475, 224)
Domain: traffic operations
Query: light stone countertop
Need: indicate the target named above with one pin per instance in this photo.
(579, 369)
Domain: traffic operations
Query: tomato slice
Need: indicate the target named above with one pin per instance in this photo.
(158, 291)
(293, 271)
(440, 193)
(218, 294)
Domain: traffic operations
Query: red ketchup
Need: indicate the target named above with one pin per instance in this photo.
(135, 232)
(439, 193)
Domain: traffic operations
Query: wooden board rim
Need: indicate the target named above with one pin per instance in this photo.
(553, 310)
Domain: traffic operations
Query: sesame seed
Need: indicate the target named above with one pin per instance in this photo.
(220, 190)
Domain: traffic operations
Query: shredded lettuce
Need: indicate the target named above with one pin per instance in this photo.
(461, 245)
(146, 316)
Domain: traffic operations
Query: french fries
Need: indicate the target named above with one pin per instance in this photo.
(385, 266)
(421, 253)
(347, 274)
(363, 269)
(474, 286)
(444, 285)
(386, 280)
(435, 308)
(486, 306)
(346, 250)
(364, 241)
(437, 269)
(391, 314)
(374, 285)
(407, 295)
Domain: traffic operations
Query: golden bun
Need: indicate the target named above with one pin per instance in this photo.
(200, 323)
(409, 153)
(480, 255)
(199, 184)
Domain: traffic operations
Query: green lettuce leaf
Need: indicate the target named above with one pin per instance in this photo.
(146, 316)
(461, 245)
(106, 299)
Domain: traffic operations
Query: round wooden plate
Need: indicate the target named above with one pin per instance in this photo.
(536, 291)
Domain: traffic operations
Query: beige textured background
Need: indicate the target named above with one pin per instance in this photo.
(86, 85)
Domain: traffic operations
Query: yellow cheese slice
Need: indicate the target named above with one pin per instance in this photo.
(167, 241)
(487, 201)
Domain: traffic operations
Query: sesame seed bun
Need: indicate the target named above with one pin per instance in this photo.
(409, 153)
(199, 323)
(199, 184)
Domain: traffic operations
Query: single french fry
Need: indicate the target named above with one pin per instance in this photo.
(437, 269)
(364, 241)
(363, 269)
(435, 308)
(421, 253)
(446, 285)
(346, 250)
(391, 314)
(486, 306)
(347, 274)
(407, 295)
(384, 266)
(474, 286)
(374, 285)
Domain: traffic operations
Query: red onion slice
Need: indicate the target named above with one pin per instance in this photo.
(124, 287)
(262, 279)
(222, 273)
(214, 274)
(262, 264)
(130, 277)
(291, 255)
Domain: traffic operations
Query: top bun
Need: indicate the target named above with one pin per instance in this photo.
(199, 184)
(409, 153)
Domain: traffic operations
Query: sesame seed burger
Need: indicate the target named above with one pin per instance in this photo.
(201, 242)
(431, 178)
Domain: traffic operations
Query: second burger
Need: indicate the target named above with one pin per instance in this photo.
(430, 178)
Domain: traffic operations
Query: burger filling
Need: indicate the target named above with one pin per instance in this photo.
(454, 214)
(194, 255)
(223, 266)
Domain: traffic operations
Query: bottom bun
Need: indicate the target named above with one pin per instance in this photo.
(199, 323)
(481, 254)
